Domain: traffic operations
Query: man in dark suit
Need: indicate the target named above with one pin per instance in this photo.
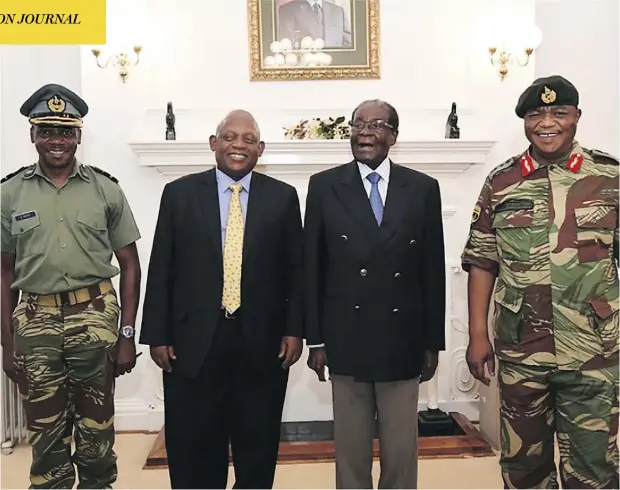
(375, 298)
(223, 312)
(317, 19)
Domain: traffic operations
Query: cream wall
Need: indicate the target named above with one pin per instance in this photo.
(195, 55)
(582, 43)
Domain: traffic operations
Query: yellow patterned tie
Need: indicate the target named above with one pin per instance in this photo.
(233, 252)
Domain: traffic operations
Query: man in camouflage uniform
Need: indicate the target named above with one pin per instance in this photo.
(546, 228)
(61, 223)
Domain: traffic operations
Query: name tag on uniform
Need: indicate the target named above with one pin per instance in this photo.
(515, 205)
(26, 215)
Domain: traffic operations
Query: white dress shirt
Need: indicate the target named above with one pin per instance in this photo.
(384, 172)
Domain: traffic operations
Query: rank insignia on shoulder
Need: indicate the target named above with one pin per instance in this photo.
(29, 170)
(476, 214)
(602, 154)
(103, 172)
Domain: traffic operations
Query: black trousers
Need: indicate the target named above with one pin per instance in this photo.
(229, 402)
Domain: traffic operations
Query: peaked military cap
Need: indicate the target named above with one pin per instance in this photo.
(54, 105)
(547, 91)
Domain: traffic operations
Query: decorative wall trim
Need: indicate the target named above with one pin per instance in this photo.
(297, 158)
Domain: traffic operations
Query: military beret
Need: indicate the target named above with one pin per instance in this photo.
(547, 91)
(54, 105)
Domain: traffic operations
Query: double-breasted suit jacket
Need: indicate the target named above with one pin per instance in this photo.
(374, 295)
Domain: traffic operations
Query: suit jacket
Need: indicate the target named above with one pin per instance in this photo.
(299, 16)
(183, 300)
(374, 295)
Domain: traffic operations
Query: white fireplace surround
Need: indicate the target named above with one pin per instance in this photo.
(292, 161)
(295, 157)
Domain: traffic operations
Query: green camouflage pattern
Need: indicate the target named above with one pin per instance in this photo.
(64, 358)
(580, 406)
(64, 238)
(551, 238)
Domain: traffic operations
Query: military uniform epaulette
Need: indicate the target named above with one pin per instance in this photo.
(601, 154)
(505, 165)
(103, 172)
(13, 174)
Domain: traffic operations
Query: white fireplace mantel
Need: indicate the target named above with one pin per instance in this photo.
(296, 158)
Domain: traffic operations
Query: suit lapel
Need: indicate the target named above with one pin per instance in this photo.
(210, 207)
(352, 194)
(257, 202)
(398, 195)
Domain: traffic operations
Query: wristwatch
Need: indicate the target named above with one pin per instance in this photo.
(128, 331)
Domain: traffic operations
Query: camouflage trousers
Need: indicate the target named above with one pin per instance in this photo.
(64, 363)
(579, 407)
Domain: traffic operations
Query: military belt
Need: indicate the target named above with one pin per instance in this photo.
(68, 298)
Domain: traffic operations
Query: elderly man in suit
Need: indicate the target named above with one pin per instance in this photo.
(223, 312)
(375, 298)
(317, 19)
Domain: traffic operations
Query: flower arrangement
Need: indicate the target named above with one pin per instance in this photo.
(319, 129)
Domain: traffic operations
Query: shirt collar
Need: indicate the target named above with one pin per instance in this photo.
(224, 181)
(312, 2)
(78, 169)
(383, 170)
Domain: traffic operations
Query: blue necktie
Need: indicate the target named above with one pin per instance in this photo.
(375, 198)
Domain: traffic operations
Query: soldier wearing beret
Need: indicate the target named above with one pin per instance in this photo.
(544, 244)
(62, 221)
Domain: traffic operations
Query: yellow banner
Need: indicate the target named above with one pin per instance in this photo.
(52, 21)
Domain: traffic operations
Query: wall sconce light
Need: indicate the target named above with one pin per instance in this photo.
(122, 60)
(525, 42)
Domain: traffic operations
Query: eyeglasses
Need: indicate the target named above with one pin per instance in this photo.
(376, 125)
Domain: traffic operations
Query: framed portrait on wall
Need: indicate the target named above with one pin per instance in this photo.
(313, 39)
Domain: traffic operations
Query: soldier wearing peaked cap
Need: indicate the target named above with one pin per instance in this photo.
(544, 244)
(62, 221)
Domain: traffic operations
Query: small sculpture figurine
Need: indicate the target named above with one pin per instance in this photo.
(171, 133)
(452, 129)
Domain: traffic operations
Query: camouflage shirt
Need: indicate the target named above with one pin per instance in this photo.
(549, 233)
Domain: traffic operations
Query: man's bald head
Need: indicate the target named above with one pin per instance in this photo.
(237, 144)
(234, 115)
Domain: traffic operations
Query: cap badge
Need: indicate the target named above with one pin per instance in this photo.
(548, 96)
(56, 104)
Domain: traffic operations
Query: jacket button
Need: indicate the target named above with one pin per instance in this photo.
(363, 272)
(397, 275)
(412, 242)
(395, 310)
(344, 238)
(357, 307)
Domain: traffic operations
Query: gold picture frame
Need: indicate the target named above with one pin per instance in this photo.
(340, 54)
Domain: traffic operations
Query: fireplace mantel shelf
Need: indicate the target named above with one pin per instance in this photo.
(176, 158)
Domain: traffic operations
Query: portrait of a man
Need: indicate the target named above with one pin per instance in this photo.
(344, 37)
(329, 20)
